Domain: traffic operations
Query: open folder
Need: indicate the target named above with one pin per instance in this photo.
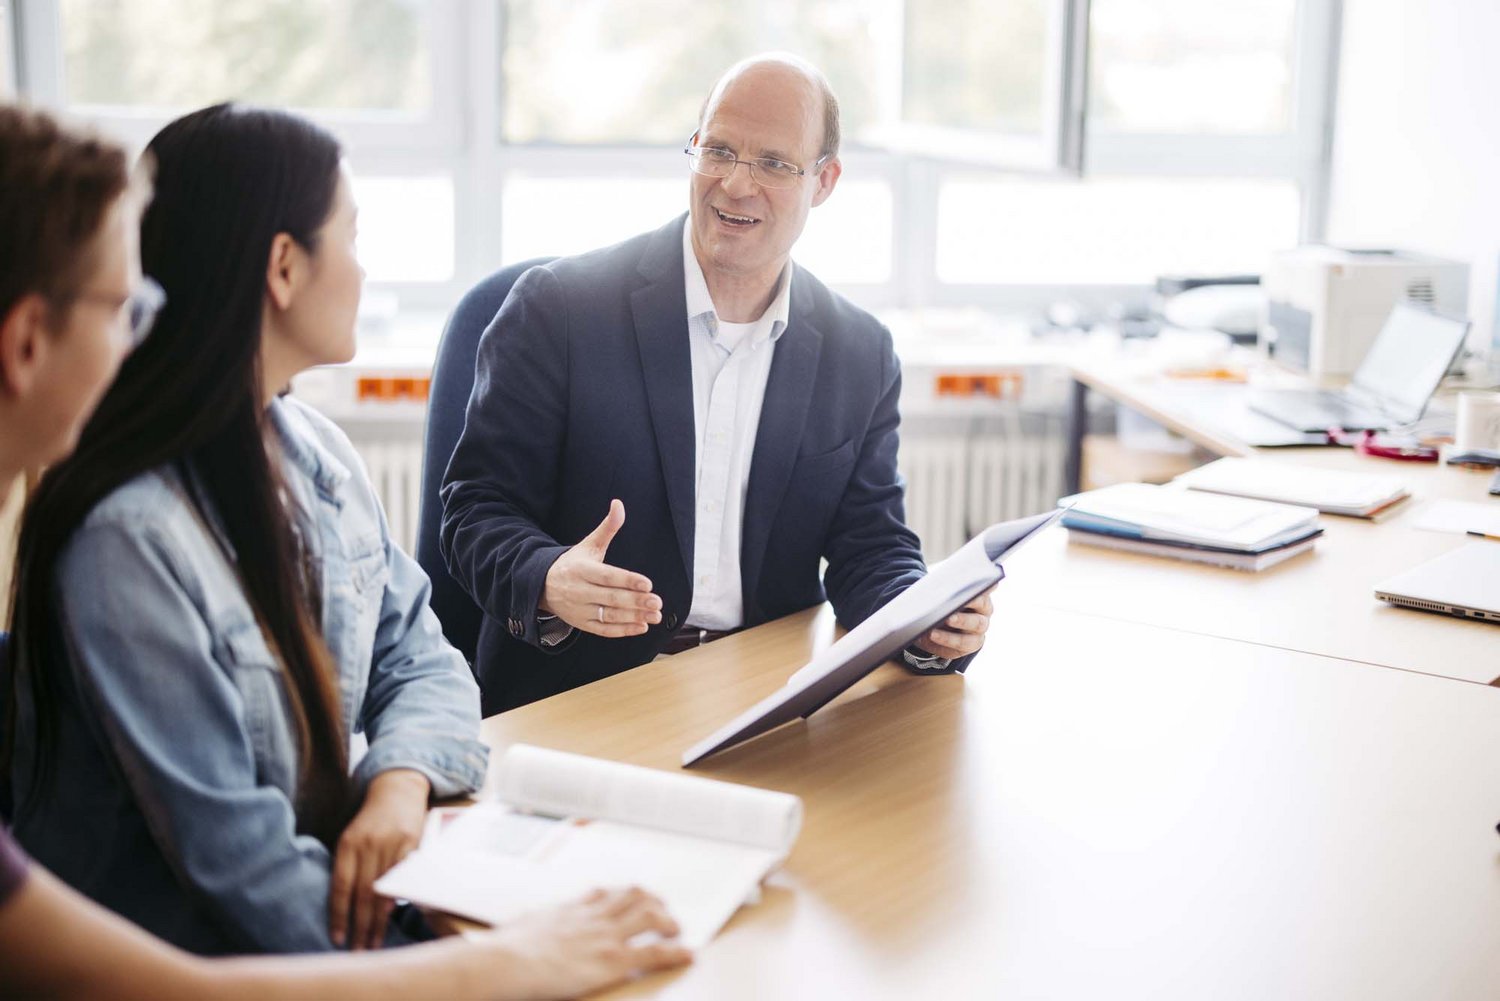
(948, 586)
(560, 825)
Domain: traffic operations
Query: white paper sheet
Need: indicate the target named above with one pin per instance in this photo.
(1459, 517)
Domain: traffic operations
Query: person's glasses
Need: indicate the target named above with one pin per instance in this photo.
(141, 306)
(711, 161)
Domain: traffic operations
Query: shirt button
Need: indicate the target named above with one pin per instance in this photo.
(710, 506)
(705, 580)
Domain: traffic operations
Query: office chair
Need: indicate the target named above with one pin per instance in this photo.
(447, 400)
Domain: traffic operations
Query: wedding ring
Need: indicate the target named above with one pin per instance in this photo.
(599, 612)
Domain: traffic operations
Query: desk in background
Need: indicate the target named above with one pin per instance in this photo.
(1100, 809)
(1322, 602)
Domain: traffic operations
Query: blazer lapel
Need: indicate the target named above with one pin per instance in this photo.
(778, 439)
(659, 308)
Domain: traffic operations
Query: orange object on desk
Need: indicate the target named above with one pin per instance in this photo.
(1216, 374)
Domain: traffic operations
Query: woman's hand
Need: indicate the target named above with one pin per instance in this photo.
(584, 947)
(387, 827)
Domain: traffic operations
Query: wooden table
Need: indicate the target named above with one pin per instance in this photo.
(1099, 809)
(1321, 602)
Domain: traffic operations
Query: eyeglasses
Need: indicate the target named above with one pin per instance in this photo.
(143, 304)
(711, 161)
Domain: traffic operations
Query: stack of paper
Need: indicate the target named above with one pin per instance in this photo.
(1361, 495)
(1187, 525)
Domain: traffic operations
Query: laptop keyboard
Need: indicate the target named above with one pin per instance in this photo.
(1319, 412)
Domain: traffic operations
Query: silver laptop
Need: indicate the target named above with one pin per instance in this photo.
(1465, 582)
(1392, 385)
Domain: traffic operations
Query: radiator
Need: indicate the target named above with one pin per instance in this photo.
(393, 458)
(961, 476)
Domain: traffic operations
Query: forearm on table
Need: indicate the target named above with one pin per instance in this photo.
(54, 942)
(454, 968)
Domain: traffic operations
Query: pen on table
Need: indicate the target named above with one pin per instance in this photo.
(1483, 535)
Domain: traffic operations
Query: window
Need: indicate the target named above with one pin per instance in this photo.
(603, 71)
(1110, 230)
(406, 227)
(379, 73)
(611, 72)
(1188, 67)
(7, 58)
(487, 131)
(345, 55)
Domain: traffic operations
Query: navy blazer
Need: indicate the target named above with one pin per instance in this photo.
(583, 392)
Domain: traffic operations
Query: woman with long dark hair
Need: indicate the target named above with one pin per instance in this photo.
(72, 303)
(209, 603)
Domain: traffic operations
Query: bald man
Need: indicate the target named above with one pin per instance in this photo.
(667, 436)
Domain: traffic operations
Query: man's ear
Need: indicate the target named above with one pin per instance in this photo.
(24, 343)
(284, 270)
(827, 178)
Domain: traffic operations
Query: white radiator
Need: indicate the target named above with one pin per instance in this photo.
(961, 475)
(970, 474)
(393, 457)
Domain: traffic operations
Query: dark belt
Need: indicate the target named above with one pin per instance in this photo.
(689, 637)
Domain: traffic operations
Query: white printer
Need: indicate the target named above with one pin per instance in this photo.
(1324, 305)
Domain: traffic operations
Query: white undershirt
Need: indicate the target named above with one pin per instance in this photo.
(731, 364)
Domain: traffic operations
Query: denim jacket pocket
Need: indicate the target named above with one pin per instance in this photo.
(268, 720)
(368, 570)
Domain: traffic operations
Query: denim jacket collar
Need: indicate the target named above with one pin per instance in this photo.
(307, 454)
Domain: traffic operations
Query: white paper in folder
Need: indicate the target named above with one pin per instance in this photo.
(563, 824)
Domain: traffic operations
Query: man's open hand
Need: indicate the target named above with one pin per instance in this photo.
(589, 594)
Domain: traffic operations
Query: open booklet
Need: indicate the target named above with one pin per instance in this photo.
(948, 586)
(563, 824)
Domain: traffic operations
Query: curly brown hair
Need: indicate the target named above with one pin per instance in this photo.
(56, 185)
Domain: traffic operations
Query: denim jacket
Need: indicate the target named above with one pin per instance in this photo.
(176, 775)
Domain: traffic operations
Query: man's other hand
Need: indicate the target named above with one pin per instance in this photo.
(961, 633)
(589, 594)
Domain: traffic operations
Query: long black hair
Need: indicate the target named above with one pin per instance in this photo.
(228, 180)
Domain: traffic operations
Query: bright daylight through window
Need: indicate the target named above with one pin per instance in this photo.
(470, 155)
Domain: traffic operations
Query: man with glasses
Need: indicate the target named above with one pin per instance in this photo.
(741, 413)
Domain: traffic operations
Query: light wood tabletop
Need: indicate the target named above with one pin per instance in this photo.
(1320, 602)
(1099, 809)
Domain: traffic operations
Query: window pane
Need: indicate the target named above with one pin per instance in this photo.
(7, 63)
(1190, 66)
(406, 228)
(551, 215)
(977, 64)
(324, 54)
(847, 239)
(637, 71)
(1110, 230)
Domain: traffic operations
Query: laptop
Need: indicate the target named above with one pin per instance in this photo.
(1464, 582)
(1392, 385)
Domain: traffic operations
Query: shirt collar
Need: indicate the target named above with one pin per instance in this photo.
(699, 302)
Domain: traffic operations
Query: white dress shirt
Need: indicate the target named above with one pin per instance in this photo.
(731, 364)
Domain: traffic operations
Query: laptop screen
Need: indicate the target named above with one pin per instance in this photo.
(1408, 359)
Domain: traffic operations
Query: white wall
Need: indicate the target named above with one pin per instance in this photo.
(1416, 159)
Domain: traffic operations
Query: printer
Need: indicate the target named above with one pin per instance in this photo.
(1324, 305)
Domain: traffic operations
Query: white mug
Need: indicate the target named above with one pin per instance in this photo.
(1478, 420)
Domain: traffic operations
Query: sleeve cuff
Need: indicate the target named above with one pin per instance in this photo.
(551, 630)
(453, 770)
(923, 661)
